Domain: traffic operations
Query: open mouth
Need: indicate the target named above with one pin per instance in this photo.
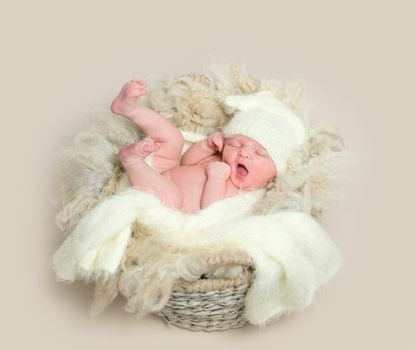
(242, 170)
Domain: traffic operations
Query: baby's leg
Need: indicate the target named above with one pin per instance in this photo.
(152, 123)
(144, 177)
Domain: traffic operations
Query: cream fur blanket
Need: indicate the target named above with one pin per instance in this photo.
(292, 254)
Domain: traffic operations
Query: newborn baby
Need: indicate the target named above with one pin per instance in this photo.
(212, 169)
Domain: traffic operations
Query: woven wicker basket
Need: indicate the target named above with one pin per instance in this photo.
(211, 304)
(208, 305)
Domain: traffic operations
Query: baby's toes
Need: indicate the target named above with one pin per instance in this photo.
(148, 147)
(141, 83)
(151, 146)
(132, 90)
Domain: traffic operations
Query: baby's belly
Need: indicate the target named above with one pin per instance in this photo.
(190, 179)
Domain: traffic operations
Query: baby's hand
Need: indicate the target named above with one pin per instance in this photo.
(219, 170)
(215, 141)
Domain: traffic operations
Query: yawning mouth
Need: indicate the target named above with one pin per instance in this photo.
(242, 170)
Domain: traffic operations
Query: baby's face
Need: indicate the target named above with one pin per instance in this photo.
(251, 166)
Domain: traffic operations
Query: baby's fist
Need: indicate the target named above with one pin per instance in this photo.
(215, 141)
(218, 170)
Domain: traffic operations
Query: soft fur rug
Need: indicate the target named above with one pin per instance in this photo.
(292, 254)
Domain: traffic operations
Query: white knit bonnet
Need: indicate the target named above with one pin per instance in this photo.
(265, 119)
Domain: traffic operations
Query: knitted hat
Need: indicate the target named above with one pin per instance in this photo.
(265, 119)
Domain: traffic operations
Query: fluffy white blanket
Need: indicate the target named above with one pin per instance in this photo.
(292, 254)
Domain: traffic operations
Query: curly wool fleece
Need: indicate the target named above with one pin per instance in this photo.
(196, 103)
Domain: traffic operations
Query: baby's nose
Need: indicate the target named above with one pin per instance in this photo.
(244, 152)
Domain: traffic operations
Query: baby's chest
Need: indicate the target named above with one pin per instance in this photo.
(189, 179)
(191, 182)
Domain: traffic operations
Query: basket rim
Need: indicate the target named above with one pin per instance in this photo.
(209, 285)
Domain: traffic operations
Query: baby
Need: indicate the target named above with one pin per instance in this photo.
(212, 169)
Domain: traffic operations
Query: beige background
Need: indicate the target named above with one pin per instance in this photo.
(60, 58)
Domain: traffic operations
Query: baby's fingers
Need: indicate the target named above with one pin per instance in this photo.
(218, 140)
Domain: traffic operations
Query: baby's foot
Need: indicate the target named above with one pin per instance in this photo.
(137, 152)
(126, 101)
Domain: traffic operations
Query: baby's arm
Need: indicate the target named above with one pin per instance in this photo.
(215, 188)
(203, 149)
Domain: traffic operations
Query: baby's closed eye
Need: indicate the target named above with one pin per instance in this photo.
(262, 154)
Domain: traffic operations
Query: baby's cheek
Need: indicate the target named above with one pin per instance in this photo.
(256, 177)
(262, 173)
